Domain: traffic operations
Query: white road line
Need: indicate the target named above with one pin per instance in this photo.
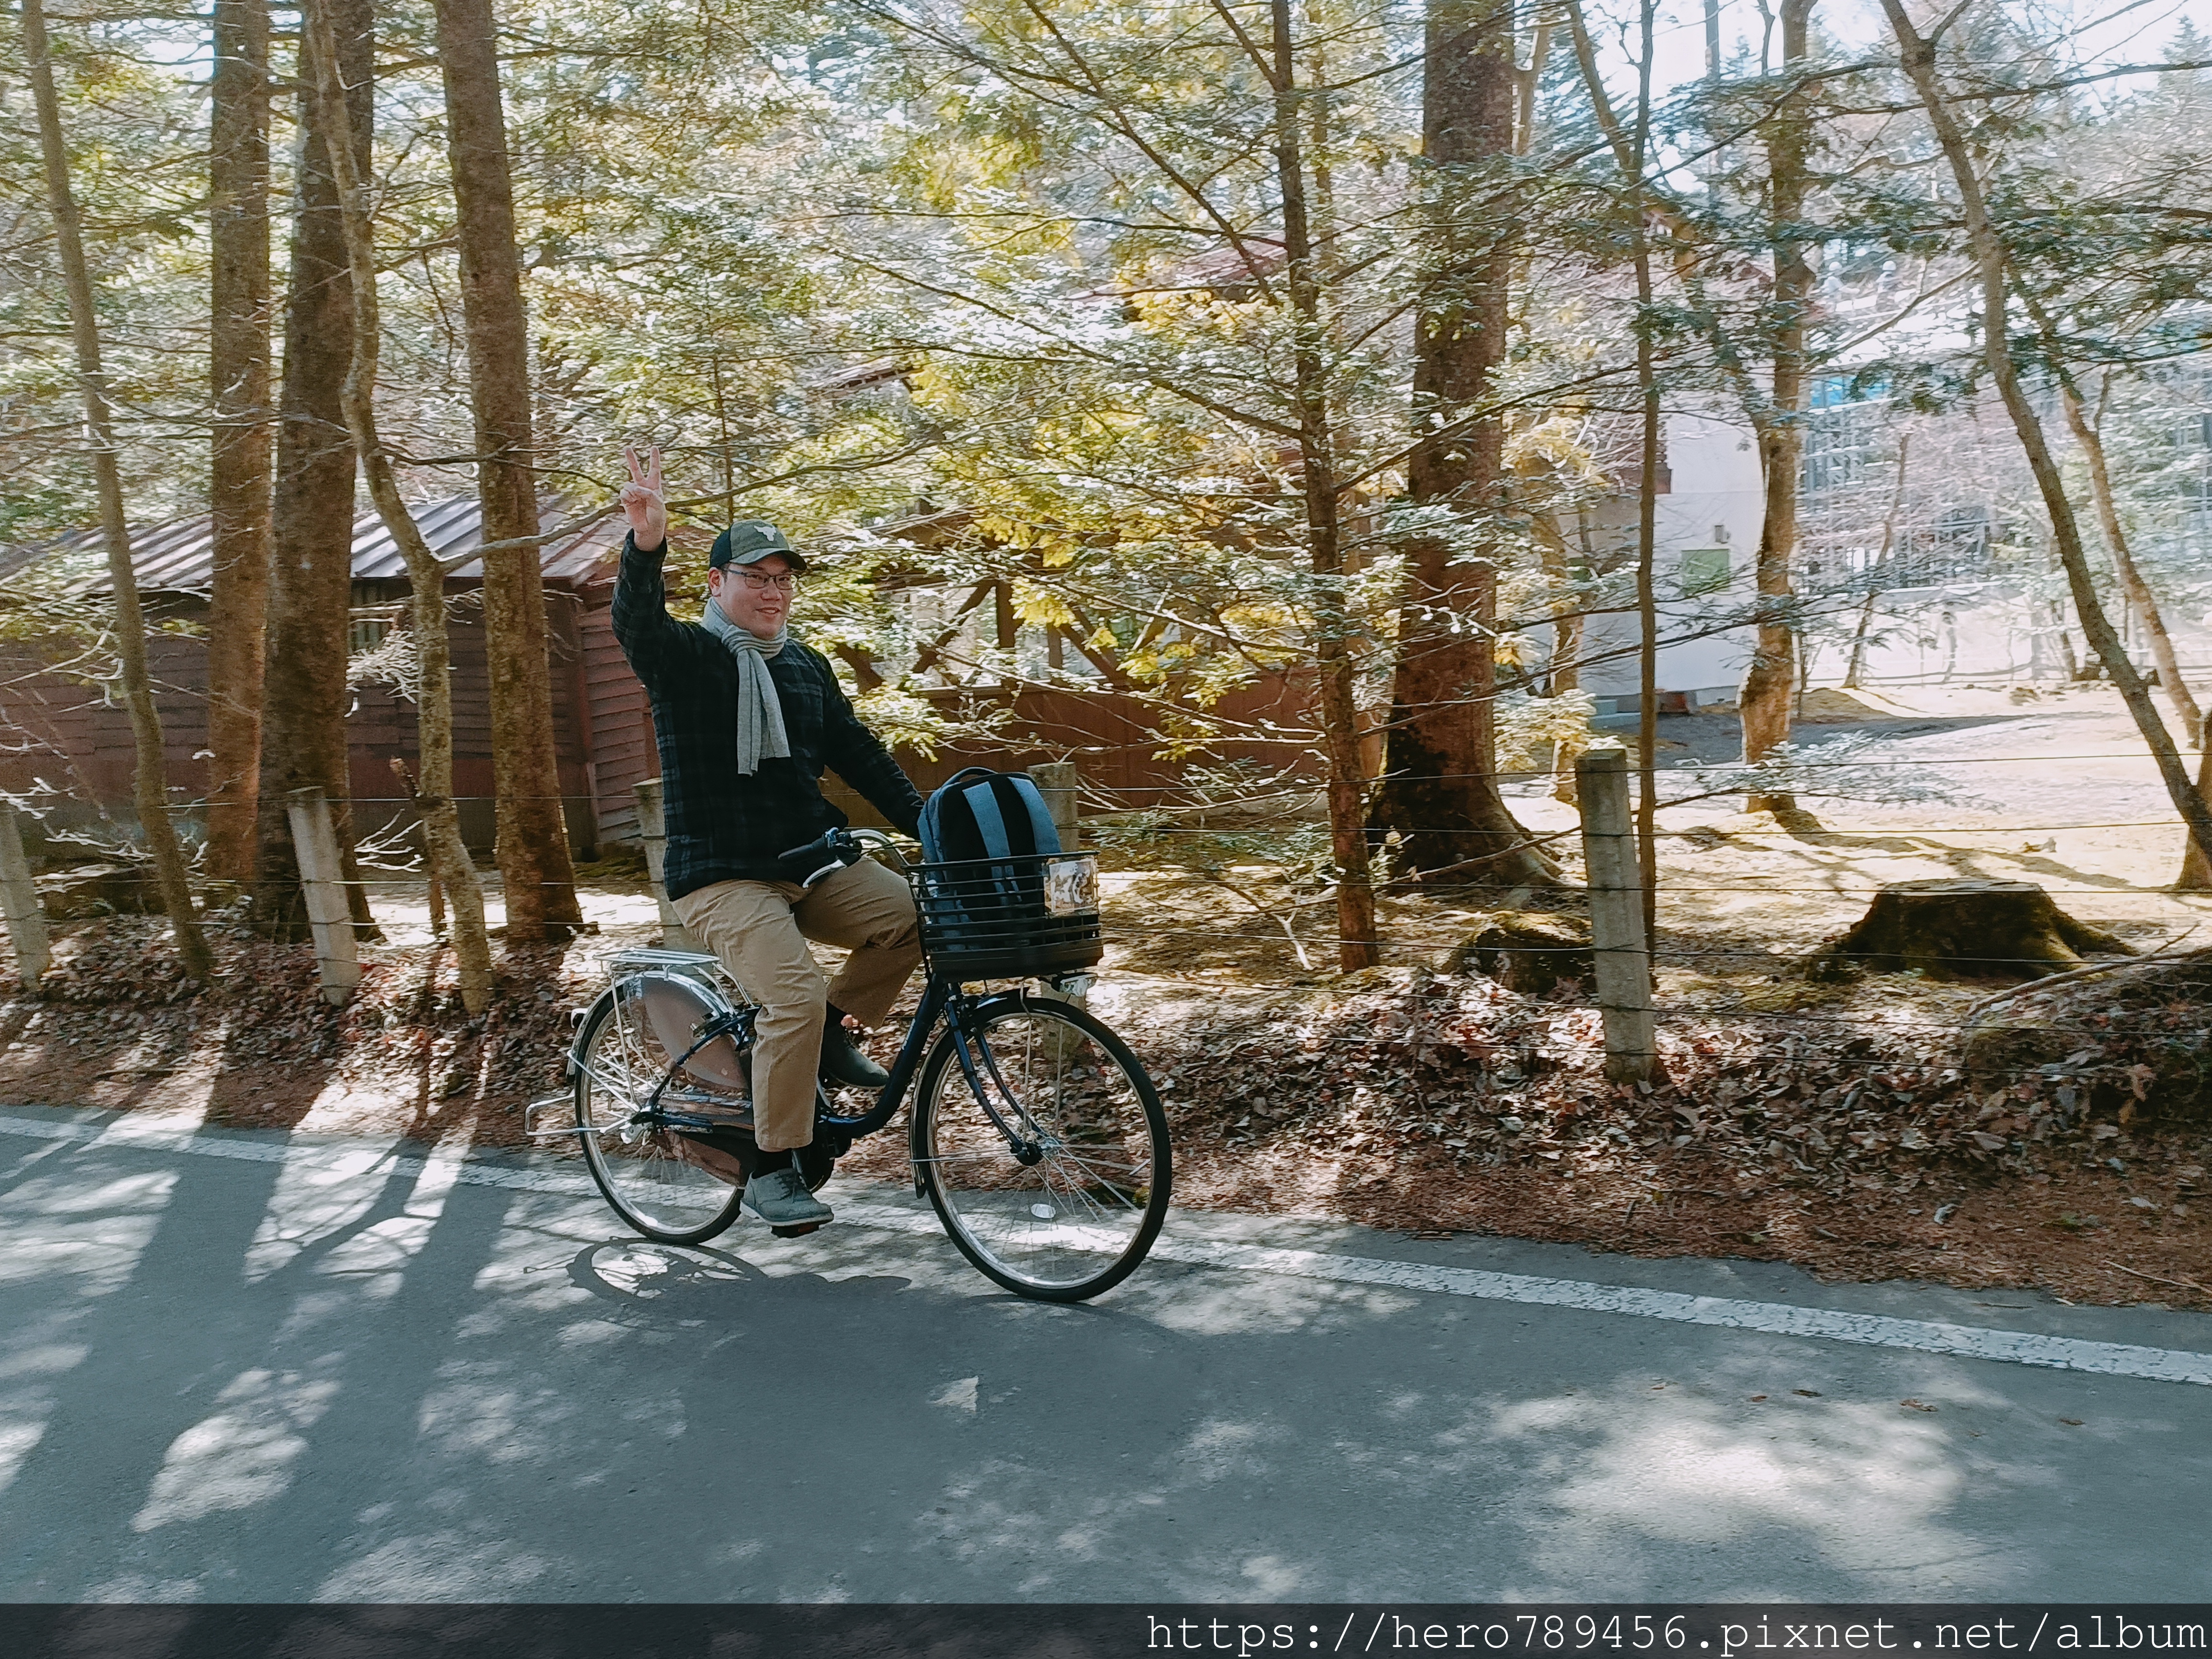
(1927, 1336)
(1778, 1318)
(123, 1134)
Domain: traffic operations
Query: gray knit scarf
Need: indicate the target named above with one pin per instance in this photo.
(760, 711)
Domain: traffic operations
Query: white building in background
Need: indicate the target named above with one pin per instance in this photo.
(1925, 549)
(1947, 579)
(1711, 500)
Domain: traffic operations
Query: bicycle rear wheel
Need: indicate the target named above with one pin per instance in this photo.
(658, 1181)
(1073, 1210)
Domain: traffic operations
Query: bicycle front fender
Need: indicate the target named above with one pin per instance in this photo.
(972, 1015)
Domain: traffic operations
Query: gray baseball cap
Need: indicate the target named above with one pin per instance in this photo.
(750, 540)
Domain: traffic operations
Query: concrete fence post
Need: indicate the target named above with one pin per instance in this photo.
(652, 829)
(322, 884)
(1620, 953)
(18, 903)
(1060, 785)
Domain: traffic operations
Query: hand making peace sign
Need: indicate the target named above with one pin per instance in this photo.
(643, 502)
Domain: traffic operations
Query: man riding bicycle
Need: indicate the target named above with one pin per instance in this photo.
(747, 716)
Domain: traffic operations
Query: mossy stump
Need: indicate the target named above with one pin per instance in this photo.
(1526, 953)
(98, 890)
(1963, 929)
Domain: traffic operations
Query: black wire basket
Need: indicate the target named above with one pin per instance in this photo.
(1007, 918)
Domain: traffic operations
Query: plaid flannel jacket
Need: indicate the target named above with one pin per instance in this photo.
(723, 826)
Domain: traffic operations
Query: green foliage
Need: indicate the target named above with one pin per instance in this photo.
(978, 297)
(134, 131)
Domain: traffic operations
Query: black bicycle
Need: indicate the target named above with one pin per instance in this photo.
(1035, 1133)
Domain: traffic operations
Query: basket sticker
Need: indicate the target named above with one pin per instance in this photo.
(1071, 886)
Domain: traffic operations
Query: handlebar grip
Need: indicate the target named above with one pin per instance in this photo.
(829, 843)
(835, 849)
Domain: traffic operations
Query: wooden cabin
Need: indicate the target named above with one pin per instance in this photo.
(62, 741)
(58, 732)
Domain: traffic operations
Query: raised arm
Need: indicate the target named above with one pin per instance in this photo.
(644, 501)
(642, 624)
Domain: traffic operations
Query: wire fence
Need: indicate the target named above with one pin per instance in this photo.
(1294, 913)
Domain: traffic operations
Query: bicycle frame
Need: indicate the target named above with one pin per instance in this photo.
(942, 999)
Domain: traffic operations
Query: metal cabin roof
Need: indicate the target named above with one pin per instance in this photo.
(178, 557)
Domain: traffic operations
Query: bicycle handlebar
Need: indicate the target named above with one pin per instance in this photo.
(838, 848)
(882, 842)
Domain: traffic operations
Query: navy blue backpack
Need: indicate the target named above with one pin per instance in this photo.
(986, 842)
(982, 814)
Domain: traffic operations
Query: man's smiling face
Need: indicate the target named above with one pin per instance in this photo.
(755, 597)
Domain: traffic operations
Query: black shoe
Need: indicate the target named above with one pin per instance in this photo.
(843, 1062)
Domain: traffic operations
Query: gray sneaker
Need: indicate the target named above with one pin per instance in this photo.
(780, 1198)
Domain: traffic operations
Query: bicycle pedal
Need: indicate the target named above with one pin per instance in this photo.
(800, 1231)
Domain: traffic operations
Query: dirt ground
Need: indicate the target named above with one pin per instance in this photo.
(1848, 1127)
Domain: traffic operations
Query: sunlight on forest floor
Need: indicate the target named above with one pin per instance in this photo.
(1407, 1095)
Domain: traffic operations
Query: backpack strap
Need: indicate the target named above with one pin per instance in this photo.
(980, 789)
(990, 823)
(1044, 836)
(931, 831)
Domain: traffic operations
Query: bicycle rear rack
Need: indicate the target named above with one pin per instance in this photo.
(564, 1102)
(624, 961)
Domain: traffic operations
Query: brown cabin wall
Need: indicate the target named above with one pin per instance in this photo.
(58, 734)
(1109, 738)
(54, 729)
(619, 719)
(382, 727)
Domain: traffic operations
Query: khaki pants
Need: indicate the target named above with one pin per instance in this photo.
(760, 928)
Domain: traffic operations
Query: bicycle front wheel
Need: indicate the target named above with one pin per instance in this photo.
(659, 1181)
(1051, 1171)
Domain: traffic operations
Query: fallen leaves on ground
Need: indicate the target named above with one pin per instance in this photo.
(1399, 1098)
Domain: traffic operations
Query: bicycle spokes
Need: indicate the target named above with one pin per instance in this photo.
(1069, 1204)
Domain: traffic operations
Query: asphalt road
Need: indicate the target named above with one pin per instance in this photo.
(248, 1367)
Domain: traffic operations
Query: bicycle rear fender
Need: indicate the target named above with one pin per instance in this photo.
(582, 1023)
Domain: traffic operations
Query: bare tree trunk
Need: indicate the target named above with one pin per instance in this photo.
(1566, 673)
(1765, 698)
(2091, 441)
(1647, 507)
(2195, 875)
(1990, 255)
(533, 836)
(1647, 603)
(2065, 642)
(150, 772)
(1440, 789)
(2131, 578)
(1356, 944)
(304, 697)
(450, 866)
(1857, 664)
(1526, 82)
(238, 475)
